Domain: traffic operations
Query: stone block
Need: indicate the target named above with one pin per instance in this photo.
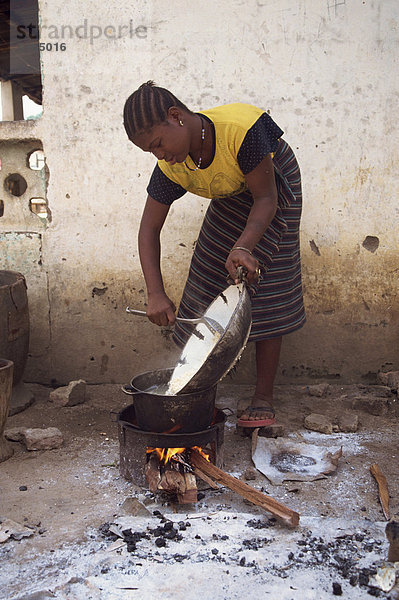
(272, 431)
(15, 434)
(320, 390)
(317, 422)
(250, 474)
(382, 378)
(133, 506)
(373, 405)
(43, 439)
(379, 391)
(393, 380)
(70, 395)
(348, 423)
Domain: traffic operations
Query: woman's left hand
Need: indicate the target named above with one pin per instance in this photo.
(238, 258)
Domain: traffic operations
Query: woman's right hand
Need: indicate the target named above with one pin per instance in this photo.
(160, 309)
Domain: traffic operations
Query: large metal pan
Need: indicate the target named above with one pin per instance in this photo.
(207, 358)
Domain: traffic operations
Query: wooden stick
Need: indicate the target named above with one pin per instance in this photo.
(382, 488)
(281, 512)
(205, 478)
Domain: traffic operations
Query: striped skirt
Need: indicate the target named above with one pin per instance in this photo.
(277, 302)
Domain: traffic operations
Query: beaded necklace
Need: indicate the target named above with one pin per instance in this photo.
(202, 145)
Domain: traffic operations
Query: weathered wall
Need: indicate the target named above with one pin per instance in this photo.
(326, 70)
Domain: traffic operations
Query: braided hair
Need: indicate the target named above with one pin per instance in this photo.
(148, 106)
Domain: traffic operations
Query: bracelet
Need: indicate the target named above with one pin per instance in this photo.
(241, 248)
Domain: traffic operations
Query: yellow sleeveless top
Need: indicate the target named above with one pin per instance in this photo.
(223, 177)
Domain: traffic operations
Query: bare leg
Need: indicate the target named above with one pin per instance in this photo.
(267, 360)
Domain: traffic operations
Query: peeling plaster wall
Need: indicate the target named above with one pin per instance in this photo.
(326, 70)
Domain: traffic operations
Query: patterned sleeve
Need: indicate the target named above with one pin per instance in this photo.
(259, 141)
(162, 189)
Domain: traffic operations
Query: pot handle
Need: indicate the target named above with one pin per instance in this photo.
(128, 389)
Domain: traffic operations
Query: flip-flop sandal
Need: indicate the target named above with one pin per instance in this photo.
(258, 422)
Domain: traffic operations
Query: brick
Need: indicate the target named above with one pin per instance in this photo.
(317, 422)
(70, 395)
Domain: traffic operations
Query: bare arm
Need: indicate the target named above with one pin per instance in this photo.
(160, 308)
(262, 185)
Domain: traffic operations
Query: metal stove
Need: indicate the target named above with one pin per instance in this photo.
(133, 443)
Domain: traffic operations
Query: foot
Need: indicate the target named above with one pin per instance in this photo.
(260, 411)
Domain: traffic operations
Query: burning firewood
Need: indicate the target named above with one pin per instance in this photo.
(281, 512)
(170, 479)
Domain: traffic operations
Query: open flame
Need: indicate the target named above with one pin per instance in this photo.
(166, 454)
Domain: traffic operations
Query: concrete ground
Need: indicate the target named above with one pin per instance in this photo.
(227, 547)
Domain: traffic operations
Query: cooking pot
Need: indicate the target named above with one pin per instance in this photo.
(157, 412)
(207, 357)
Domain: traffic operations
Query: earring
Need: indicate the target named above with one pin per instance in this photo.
(181, 123)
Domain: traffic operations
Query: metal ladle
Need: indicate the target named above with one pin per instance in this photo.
(213, 326)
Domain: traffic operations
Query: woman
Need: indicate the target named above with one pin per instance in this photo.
(234, 155)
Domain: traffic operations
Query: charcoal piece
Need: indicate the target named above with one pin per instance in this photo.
(200, 496)
(160, 542)
(169, 535)
(182, 526)
(157, 513)
(258, 524)
(291, 556)
(354, 579)
(168, 525)
(23, 488)
(105, 532)
(363, 578)
(337, 589)
(215, 551)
